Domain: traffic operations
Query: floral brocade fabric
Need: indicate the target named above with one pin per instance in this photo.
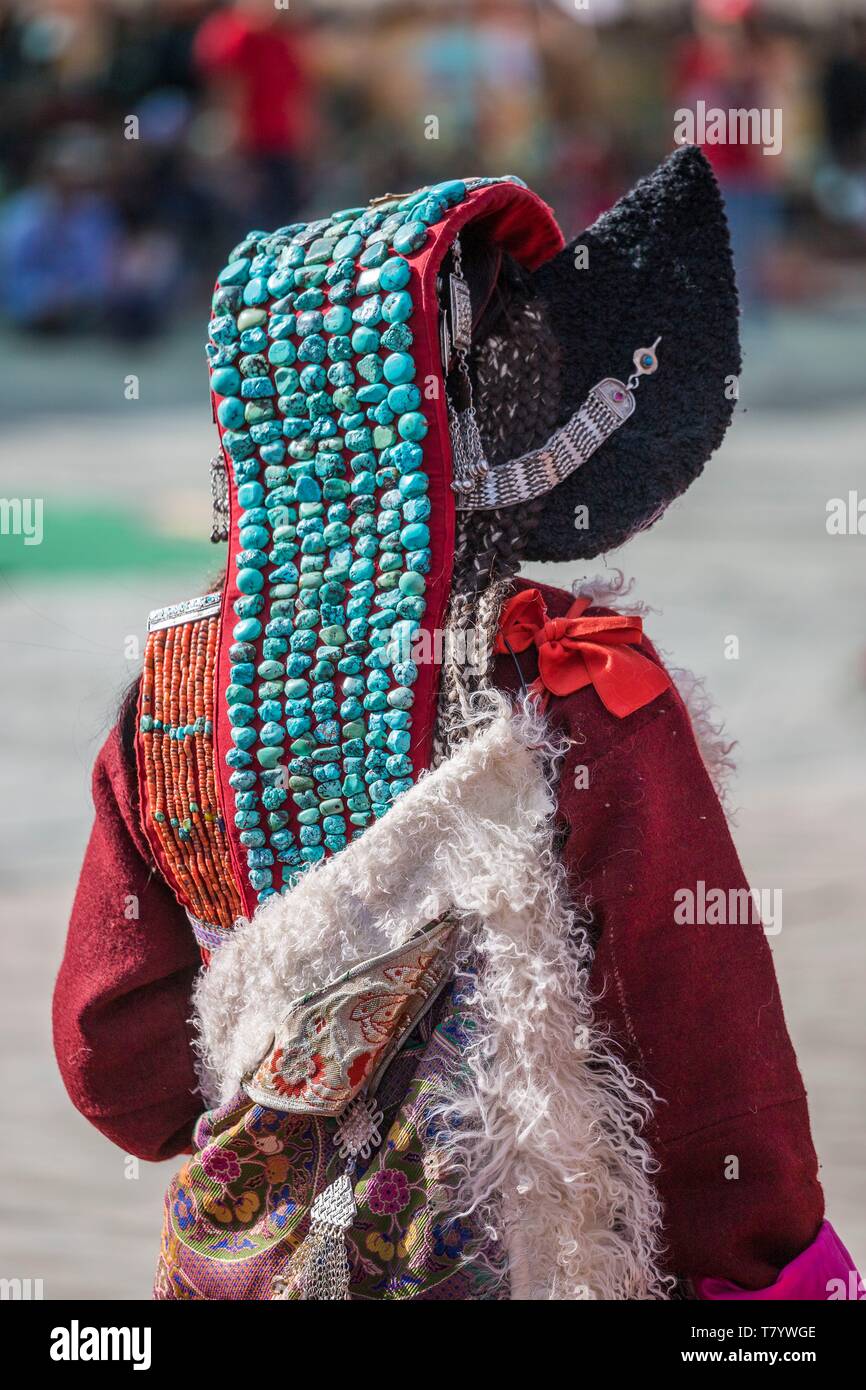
(240, 1206)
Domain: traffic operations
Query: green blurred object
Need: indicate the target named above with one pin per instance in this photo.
(82, 540)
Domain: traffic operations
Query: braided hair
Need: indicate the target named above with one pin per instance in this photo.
(489, 544)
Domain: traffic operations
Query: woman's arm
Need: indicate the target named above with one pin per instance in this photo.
(695, 1005)
(121, 1001)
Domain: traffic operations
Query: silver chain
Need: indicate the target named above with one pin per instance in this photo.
(470, 463)
(219, 491)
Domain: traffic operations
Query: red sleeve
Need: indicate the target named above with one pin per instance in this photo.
(122, 998)
(696, 1007)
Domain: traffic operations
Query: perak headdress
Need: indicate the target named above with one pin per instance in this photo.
(384, 380)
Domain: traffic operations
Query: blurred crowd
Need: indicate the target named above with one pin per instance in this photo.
(140, 138)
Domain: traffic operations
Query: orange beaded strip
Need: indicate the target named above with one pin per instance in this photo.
(176, 742)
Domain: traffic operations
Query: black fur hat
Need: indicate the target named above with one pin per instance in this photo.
(656, 265)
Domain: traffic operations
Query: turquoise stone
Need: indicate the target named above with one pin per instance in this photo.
(255, 291)
(341, 374)
(398, 765)
(338, 319)
(249, 630)
(383, 437)
(397, 307)
(223, 329)
(270, 670)
(370, 368)
(419, 560)
(397, 338)
(365, 340)
(416, 509)
(255, 387)
(348, 246)
(286, 381)
(429, 211)
(409, 237)
(281, 326)
(236, 273)
(280, 283)
(406, 457)
(342, 293)
(402, 398)
(226, 381)
(250, 581)
(312, 378)
(271, 734)
(267, 433)
(308, 276)
(307, 489)
(401, 698)
(250, 494)
(368, 313)
(250, 606)
(394, 274)
(230, 412)
(399, 367)
(375, 254)
(239, 446)
(282, 354)
(412, 607)
(451, 192)
(251, 318)
(307, 323)
(413, 484)
(412, 583)
(312, 349)
(412, 425)
(258, 412)
(339, 349)
(269, 756)
(399, 718)
(253, 339)
(367, 282)
(319, 250)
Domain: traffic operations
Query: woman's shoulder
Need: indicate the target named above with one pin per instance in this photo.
(591, 714)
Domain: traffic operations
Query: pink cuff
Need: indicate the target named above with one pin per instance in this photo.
(823, 1272)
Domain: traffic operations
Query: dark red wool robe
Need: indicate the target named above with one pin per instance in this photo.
(696, 1009)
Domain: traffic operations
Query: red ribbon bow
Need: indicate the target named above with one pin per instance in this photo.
(574, 652)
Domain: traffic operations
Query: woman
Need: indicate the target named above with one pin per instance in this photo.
(454, 1040)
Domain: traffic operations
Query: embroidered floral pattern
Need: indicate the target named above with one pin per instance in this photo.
(226, 1236)
(333, 1042)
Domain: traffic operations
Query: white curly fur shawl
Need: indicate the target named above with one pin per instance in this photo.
(544, 1134)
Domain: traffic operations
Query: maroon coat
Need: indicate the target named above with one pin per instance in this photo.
(696, 1009)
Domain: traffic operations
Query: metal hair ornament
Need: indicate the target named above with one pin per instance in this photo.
(608, 405)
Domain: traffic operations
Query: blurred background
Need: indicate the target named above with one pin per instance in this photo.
(139, 139)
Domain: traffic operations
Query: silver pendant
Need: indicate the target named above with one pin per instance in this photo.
(335, 1205)
(358, 1132)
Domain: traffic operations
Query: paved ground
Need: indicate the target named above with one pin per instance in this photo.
(746, 553)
